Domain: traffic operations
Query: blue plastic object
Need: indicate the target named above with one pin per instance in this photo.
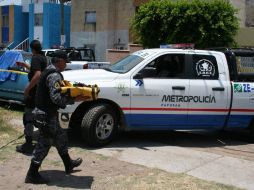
(8, 60)
(13, 80)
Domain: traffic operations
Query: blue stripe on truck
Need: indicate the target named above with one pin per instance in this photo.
(181, 121)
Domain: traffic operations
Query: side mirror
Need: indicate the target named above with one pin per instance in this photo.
(138, 76)
(149, 72)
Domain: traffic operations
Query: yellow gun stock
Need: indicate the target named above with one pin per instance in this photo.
(91, 91)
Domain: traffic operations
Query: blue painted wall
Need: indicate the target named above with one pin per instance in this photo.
(51, 25)
(5, 10)
(31, 22)
(24, 25)
(67, 24)
(5, 34)
(20, 25)
(5, 30)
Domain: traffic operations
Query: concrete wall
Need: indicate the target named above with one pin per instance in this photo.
(241, 6)
(139, 2)
(249, 13)
(245, 37)
(114, 55)
(111, 29)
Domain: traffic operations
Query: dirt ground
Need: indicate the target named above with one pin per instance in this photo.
(96, 172)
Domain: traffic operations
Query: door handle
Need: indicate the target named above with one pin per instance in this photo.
(218, 88)
(178, 87)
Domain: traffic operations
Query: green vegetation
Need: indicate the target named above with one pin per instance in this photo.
(206, 23)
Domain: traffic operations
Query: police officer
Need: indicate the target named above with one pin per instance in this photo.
(48, 100)
(38, 64)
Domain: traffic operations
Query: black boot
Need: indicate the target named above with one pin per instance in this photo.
(27, 147)
(69, 164)
(33, 175)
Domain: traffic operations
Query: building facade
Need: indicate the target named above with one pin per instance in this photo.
(105, 24)
(34, 19)
(245, 36)
(102, 24)
(14, 25)
(45, 23)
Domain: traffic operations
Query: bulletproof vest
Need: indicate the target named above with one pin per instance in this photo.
(42, 99)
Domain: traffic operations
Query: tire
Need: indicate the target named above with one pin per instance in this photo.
(252, 132)
(99, 125)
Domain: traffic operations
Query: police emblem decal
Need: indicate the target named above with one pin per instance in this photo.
(205, 68)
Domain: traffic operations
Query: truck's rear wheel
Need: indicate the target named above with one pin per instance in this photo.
(99, 125)
(251, 130)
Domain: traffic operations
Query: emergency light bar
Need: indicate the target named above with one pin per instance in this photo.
(178, 46)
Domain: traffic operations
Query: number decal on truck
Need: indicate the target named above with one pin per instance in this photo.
(246, 88)
(239, 88)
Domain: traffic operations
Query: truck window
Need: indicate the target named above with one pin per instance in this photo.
(125, 64)
(205, 67)
(245, 68)
(168, 66)
(245, 64)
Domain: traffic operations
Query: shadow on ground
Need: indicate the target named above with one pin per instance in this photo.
(12, 106)
(60, 179)
(194, 139)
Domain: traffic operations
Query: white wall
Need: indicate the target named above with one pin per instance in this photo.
(38, 30)
(10, 2)
(38, 33)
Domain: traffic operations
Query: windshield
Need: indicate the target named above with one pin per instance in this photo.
(125, 64)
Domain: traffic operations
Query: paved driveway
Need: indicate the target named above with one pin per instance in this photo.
(224, 158)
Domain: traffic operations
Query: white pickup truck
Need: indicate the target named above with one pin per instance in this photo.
(166, 89)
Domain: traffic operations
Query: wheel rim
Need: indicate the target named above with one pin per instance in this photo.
(104, 126)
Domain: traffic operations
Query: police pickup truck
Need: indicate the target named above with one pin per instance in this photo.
(166, 89)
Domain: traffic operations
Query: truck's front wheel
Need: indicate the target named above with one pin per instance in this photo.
(99, 125)
(252, 132)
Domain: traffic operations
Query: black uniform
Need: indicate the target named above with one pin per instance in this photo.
(49, 99)
(38, 63)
